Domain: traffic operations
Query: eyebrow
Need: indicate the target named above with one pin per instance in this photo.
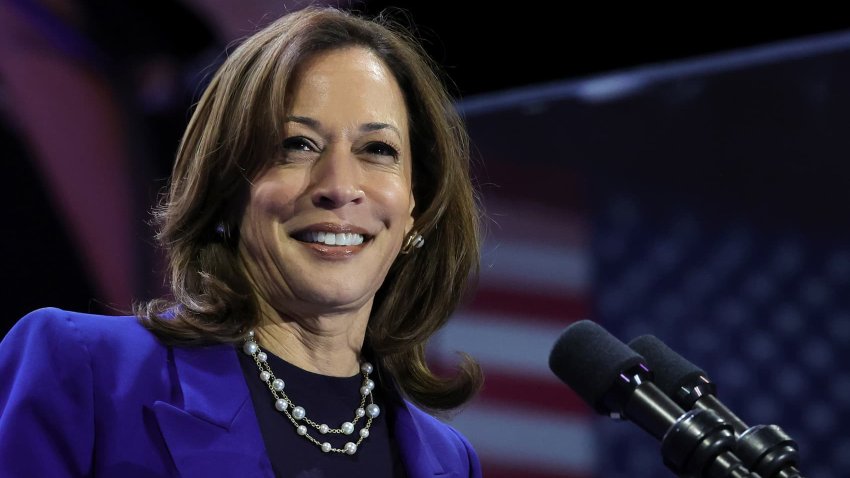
(365, 127)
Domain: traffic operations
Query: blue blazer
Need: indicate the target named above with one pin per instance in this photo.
(86, 395)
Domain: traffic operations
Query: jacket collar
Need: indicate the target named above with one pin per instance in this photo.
(419, 459)
(413, 443)
(210, 427)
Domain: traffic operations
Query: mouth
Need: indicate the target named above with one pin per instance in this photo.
(337, 235)
(331, 239)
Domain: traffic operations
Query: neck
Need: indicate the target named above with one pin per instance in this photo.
(328, 344)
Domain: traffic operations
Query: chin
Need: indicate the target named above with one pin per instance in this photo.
(335, 299)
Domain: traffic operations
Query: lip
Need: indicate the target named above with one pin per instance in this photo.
(333, 252)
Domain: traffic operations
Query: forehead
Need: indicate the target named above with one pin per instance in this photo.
(347, 82)
(347, 61)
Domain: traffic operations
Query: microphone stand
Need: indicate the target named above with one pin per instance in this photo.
(699, 444)
(765, 449)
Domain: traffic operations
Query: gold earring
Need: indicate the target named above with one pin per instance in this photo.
(414, 241)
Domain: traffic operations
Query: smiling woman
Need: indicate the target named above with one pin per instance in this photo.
(344, 172)
(320, 226)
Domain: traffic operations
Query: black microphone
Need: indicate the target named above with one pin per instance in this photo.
(765, 449)
(615, 381)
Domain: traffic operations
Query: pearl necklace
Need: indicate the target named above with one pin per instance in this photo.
(298, 415)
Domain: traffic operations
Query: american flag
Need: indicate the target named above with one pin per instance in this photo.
(765, 312)
(705, 202)
(533, 283)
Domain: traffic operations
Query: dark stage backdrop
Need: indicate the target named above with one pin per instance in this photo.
(705, 202)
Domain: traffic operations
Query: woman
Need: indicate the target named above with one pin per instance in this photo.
(320, 226)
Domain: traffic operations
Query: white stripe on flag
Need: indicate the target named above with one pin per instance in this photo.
(510, 344)
(528, 438)
(514, 219)
(532, 266)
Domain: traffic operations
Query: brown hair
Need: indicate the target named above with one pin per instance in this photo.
(231, 135)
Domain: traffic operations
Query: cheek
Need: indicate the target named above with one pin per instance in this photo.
(273, 198)
(396, 199)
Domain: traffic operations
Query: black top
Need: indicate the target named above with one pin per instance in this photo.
(329, 400)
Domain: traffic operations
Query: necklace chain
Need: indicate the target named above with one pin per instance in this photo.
(297, 415)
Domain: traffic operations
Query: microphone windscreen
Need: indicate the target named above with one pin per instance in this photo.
(589, 359)
(671, 370)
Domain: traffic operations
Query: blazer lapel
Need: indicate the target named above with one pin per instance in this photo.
(212, 429)
(418, 457)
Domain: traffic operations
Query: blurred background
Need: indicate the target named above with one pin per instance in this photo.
(681, 175)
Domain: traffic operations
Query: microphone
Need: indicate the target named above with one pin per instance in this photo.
(765, 449)
(615, 381)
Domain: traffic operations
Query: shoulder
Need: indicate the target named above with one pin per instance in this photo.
(432, 426)
(88, 357)
(447, 443)
(52, 329)
(68, 378)
(51, 320)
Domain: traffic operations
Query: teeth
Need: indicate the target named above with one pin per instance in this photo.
(338, 239)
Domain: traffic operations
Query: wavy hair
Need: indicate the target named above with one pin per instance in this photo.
(232, 133)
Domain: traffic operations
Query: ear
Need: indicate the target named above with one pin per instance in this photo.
(410, 220)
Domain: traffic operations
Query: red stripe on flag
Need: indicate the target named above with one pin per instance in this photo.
(515, 391)
(561, 309)
(512, 390)
(547, 185)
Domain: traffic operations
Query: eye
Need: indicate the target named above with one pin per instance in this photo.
(298, 143)
(379, 148)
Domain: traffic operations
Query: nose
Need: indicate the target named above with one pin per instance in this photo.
(336, 179)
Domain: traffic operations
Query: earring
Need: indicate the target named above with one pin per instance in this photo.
(222, 229)
(414, 241)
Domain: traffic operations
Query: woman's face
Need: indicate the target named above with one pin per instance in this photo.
(326, 219)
